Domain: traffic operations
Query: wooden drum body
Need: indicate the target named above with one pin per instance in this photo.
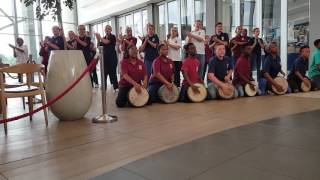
(197, 97)
(249, 91)
(283, 82)
(167, 96)
(136, 99)
(227, 94)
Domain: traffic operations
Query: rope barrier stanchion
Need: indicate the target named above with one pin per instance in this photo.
(105, 117)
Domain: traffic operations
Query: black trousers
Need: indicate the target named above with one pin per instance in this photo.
(295, 84)
(177, 70)
(110, 69)
(122, 98)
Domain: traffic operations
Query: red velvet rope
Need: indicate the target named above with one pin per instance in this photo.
(89, 68)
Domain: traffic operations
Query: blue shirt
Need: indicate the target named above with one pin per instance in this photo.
(151, 53)
(272, 66)
(58, 41)
(300, 65)
(219, 67)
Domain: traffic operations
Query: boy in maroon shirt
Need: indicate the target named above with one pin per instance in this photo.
(162, 73)
(190, 69)
(242, 72)
(133, 74)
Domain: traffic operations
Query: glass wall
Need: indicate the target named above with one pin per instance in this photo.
(248, 15)
(186, 17)
(271, 13)
(28, 28)
(173, 15)
(298, 28)
(162, 22)
(225, 13)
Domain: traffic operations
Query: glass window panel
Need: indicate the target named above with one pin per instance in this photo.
(137, 27)
(186, 13)
(298, 28)
(200, 11)
(144, 21)
(173, 14)
(6, 25)
(225, 13)
(162, 22)
(271, 13)
(6, 53)
(122, 24)
(247, 14)
(129, 20)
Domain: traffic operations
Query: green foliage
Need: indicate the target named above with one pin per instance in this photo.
(49, 7)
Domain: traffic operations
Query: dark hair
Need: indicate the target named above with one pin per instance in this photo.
(126, 52)
(160, 46)
(316, 42)
(186, 48)
(218, 23)
(303, 47)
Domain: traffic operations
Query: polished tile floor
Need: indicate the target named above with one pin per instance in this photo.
(285, 148)
(270, 137)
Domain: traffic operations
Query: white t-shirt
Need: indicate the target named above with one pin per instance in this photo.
(198, 44)
(22, 57)
(174, 54)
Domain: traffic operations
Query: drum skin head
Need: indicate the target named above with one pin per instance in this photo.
(283, 82)
(138, 100)
(197, 97)
(305, 88)
(228, 94)
(248, 91)
(167, 96)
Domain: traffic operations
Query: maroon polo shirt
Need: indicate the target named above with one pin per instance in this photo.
(243, 67)
(164, 66)
(190, 66)
(237, 51)
(136, 71)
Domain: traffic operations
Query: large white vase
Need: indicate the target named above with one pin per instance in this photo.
(65, 66)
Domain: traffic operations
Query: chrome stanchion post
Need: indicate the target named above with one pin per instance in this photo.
(104, 118)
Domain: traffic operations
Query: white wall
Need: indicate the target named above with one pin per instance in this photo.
(92, 10)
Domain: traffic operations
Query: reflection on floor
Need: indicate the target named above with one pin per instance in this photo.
(82, 150)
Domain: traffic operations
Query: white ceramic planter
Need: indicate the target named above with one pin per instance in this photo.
(65, 66)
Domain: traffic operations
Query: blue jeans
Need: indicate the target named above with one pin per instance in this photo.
(316, 82)
(213, 89)
(202, 60)
(153, 88)
(239, 90)
(148, 64)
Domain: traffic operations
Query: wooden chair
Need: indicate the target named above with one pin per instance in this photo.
(30, 89)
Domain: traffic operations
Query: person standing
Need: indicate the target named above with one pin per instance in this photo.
(197, 37)
(109, 55)
(220, 38)
(71, 43)
(83, 43)
(44, 54)
(257, 45)
(127, 40)
(174, 45)
(56, 42)
(20, 51)
(149, 47)
(93, 52)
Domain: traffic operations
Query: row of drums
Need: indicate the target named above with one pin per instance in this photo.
(201, 92)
